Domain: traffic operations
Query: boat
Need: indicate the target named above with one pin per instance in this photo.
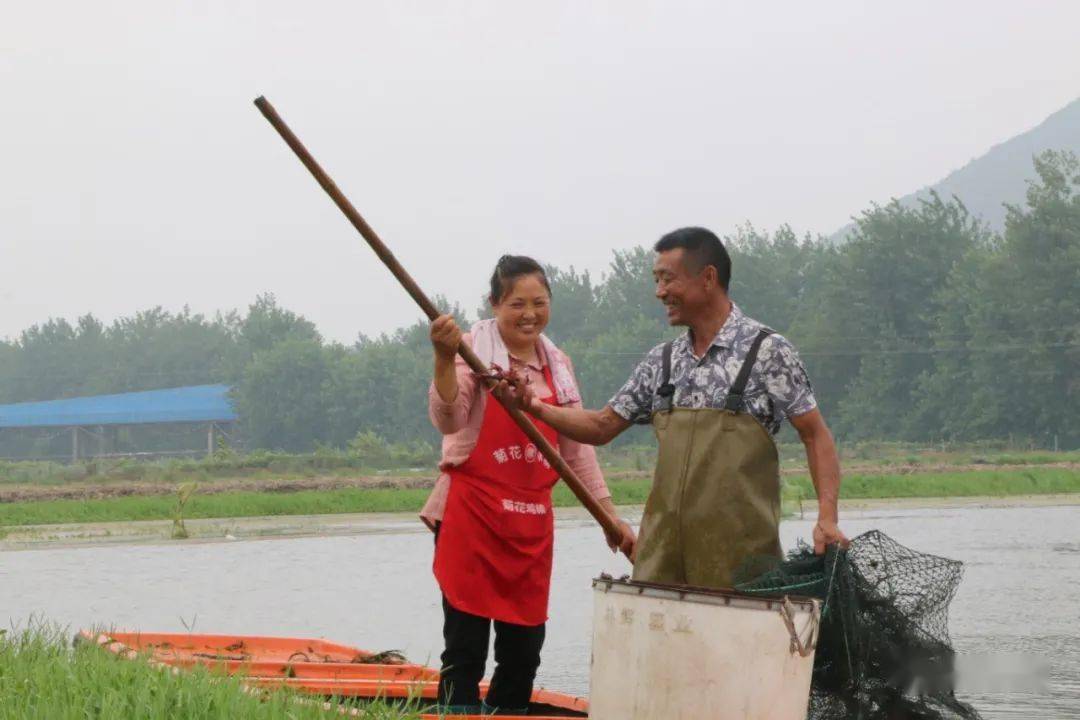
(317, 667)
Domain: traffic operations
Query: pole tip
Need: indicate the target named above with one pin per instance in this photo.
(260, 101)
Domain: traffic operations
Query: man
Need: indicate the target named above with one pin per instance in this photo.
(715, 396)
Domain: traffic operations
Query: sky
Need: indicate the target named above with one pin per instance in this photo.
(135, 171)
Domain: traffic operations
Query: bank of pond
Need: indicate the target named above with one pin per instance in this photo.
(631, 491)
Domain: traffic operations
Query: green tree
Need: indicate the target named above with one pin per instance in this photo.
(268, 324)
(922, 326)
(1009, 335)
(572, 301)
(1041, 268)
(628, 291)
(771, 274)
(281, 399)
(867, 330)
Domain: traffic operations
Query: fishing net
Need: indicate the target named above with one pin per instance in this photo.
(883, 648)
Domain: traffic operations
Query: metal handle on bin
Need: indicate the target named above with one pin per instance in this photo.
(787, 612)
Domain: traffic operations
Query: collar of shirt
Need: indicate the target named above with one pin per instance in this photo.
(537, 365)
(534, 373)
(725, 336)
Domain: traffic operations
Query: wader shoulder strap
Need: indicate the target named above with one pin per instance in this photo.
(734, 402)
(666, 390)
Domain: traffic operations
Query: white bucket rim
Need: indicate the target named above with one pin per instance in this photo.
(706, 596)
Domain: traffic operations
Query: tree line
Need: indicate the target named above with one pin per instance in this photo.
(923, 325)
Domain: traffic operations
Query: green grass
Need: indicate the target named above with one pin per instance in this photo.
(623, 492)
(255, 504)
(42, 678)
(223, 465)
(996, 483)
(1004, 483)
(240, 504)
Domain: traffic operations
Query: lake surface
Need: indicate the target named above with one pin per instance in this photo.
(1020, 597)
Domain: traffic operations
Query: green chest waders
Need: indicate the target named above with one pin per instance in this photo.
(715, 500)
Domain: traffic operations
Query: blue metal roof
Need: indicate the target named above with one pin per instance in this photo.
(198, 403)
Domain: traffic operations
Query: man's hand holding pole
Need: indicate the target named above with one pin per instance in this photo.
(514, 390)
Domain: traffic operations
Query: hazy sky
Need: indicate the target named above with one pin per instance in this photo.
(135, 172)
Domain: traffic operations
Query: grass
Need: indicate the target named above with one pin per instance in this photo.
(240, 504)
(1003, 483)
(43, 678)
(996, 483)
(256, 504)
(222, 465)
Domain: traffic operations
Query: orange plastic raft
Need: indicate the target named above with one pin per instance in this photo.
(317, 667)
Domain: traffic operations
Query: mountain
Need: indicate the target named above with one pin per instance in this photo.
(1000, 176)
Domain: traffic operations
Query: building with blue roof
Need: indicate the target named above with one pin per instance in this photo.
(208, 405)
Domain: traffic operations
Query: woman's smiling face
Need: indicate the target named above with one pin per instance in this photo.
(523, 312)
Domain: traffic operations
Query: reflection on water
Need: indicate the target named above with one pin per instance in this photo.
(1019, 596)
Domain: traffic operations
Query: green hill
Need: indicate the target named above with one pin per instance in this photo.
(1001, 176)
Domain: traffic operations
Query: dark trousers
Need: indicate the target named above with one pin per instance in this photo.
(517, 656)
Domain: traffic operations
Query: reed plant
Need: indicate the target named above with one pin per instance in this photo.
(183, 495)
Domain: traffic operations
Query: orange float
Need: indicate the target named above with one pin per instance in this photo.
(317, 667)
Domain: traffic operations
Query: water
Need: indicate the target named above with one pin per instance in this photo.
(1020, 595)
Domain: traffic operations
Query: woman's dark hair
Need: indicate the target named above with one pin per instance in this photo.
(702, 248)
(510, 268)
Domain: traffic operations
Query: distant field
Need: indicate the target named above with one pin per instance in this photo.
(277, 466)
(255, 465)
(884, 455)
(1002, 483)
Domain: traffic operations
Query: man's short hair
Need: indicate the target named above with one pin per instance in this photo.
(702, 248)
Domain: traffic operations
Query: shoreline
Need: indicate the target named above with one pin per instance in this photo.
(18, 492)
(211, 530)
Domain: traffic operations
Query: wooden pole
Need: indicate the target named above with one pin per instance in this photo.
(607, 521)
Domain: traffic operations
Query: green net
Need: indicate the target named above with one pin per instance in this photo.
(883, 650)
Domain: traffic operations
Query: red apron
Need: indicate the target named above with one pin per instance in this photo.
(493, 556)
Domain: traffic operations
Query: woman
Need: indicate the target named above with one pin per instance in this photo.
(491, 507)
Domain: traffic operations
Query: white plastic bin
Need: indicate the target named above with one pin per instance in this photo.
(663, 653)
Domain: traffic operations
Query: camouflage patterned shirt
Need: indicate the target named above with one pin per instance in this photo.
(778, 386)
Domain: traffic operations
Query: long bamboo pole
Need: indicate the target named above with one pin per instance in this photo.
(606, 520)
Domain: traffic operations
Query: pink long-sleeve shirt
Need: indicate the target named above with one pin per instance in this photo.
(459, 421)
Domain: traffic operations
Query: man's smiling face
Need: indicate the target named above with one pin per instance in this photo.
(682, 287)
